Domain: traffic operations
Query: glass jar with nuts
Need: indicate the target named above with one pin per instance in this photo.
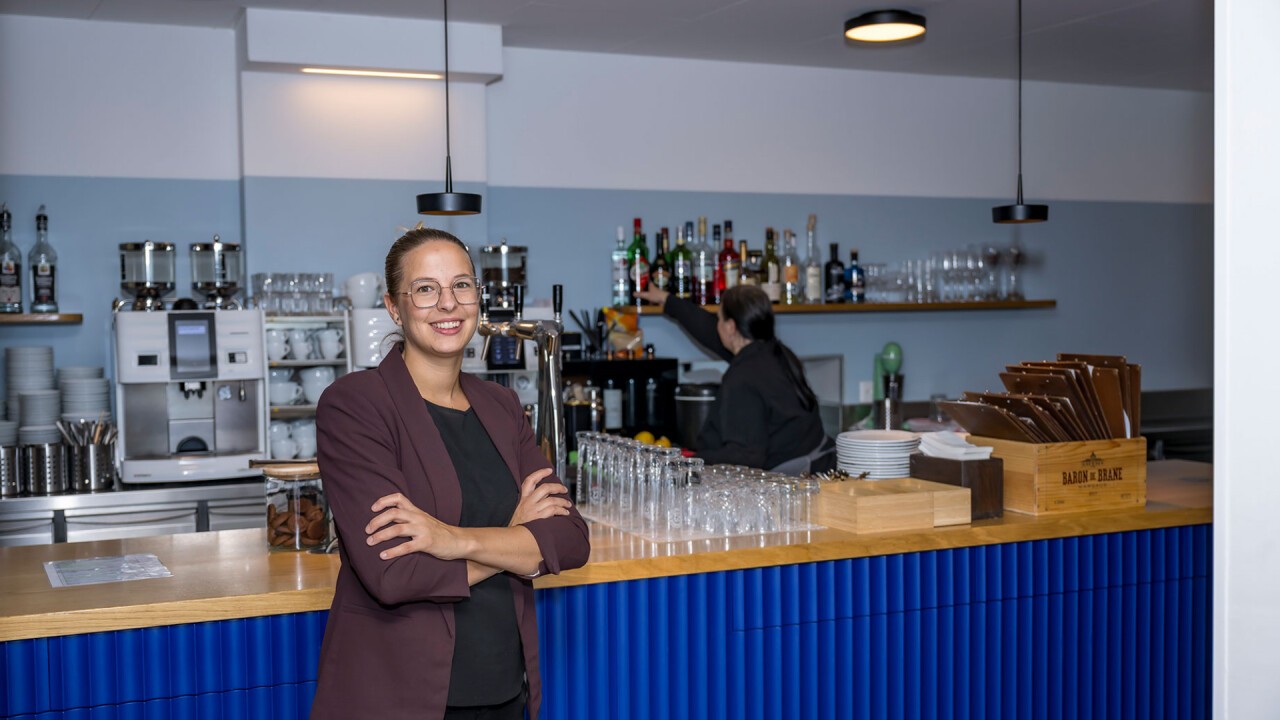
(297, 512)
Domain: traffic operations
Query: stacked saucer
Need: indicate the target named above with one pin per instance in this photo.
(39, 435)
(85, 399)
(881, 454)
(26, 369)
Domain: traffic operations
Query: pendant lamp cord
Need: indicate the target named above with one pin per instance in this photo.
(448, 143)
(1019, 98)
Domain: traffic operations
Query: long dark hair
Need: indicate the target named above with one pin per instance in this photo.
(749, 309)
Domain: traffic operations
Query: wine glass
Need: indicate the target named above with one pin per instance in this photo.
(1017, 258)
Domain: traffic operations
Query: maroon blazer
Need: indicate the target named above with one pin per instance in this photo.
(388, 645)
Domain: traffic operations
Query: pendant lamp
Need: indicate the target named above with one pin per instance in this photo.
(448, 202)
(884, 26)
(1019, 212)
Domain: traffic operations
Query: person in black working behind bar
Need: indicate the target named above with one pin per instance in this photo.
(766, 415)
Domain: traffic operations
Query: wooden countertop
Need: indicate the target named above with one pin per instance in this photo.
(230, 574)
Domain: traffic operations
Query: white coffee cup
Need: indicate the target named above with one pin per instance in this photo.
(285, 393)
(279, 375)
(303, 428)
(306, 447)
(330, 343)
(277, 350)
(363, 290)
(280, 430)
(277, 336)
(301, 349)
(313, 388)
(316, 374)
(284, 449)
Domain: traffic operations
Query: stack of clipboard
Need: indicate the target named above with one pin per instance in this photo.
(1074, 398)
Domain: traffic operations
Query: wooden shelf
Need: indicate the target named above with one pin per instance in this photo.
(292, 412)
(41, 318)
(882, 307)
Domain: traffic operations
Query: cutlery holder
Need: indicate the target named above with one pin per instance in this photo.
(9, 472)
(89, 468)
(44, 468)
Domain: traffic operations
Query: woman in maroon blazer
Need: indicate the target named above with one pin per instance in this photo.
(445, 508)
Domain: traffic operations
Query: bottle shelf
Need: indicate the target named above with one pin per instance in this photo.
(292, 412)
(41, 318)
(881, 307)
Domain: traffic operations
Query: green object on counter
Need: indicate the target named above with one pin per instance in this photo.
(877, 372)
(892, 358)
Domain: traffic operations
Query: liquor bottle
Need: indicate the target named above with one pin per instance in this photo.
(771, 268)
(43, 262)
(637, 266)
(746, 273)
(621, 288)
(792, 289)
(660, 268)
(855, 280)
(813, 265)
(834, 272)
(729, 269)
(10, 266)
(682, 283)
(704, 266)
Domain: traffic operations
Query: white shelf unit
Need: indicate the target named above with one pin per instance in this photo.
(305, 407)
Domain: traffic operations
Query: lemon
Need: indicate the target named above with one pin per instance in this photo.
(662, 442)
(644, 436)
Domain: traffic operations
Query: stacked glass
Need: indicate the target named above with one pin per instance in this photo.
(293, 293)
(656, 493)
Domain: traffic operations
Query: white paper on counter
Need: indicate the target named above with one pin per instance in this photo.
(92, 571)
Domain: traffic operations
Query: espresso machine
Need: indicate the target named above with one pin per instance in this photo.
(189, 388)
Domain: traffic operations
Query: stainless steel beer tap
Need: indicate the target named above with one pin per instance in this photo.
(545, 334)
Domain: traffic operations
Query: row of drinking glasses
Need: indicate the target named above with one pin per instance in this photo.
(966, 274)
(657, 493)
(293, 293)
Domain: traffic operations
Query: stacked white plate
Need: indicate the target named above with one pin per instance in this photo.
(8, 432)
(881, 454)
(39, 407)
(78, 372)
(26, 369)
(85, 399)
(38, 434)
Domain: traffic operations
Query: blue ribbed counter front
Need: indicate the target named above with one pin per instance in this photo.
(1110, 625)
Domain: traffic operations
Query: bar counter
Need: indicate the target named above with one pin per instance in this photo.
(1109, 610)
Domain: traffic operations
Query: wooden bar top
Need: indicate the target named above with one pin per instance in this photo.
(230, 574)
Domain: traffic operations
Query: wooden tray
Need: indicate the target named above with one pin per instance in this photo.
(863, 506)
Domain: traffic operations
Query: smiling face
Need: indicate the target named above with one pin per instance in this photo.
(442, 331)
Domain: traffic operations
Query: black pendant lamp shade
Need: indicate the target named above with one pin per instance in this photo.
(448, 202)
(884, 26)
(1019, 212)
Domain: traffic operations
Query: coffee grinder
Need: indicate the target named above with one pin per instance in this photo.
(189, 390)
(147, 270)
(217, 270)
(503, 278)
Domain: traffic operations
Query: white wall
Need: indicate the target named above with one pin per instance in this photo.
(1246, 591)
(575, 120)
(98, 99)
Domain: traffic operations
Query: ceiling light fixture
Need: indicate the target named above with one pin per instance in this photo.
(884, 26)
(373, 73)
(1019, 212)
(448, 202)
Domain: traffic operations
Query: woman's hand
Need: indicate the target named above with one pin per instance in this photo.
(400, 518)
(536, 501)
(653, 295)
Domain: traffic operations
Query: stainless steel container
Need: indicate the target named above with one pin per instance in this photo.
(45, 468)
(9, 472)
(89, 468)
(148, 270)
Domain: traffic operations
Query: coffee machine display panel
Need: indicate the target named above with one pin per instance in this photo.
(193, 355)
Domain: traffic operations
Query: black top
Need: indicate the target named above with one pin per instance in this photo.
(488, 662)
(757, 419)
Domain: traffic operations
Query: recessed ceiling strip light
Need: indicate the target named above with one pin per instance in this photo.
(373, 73)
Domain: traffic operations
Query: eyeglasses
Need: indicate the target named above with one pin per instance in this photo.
(426, 293)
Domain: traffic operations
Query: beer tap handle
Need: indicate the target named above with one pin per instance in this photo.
(557, 302)
(484, 306)
(517, 301)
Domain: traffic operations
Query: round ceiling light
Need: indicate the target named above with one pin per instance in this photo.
(883, 26)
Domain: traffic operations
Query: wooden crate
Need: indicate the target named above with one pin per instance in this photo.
(984, 478)
(1048, 478)
(862, 506)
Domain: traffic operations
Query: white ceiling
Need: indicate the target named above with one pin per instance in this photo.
(1141, 43)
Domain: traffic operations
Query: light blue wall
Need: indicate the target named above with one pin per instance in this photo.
(1129, 278)
(88, 219)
